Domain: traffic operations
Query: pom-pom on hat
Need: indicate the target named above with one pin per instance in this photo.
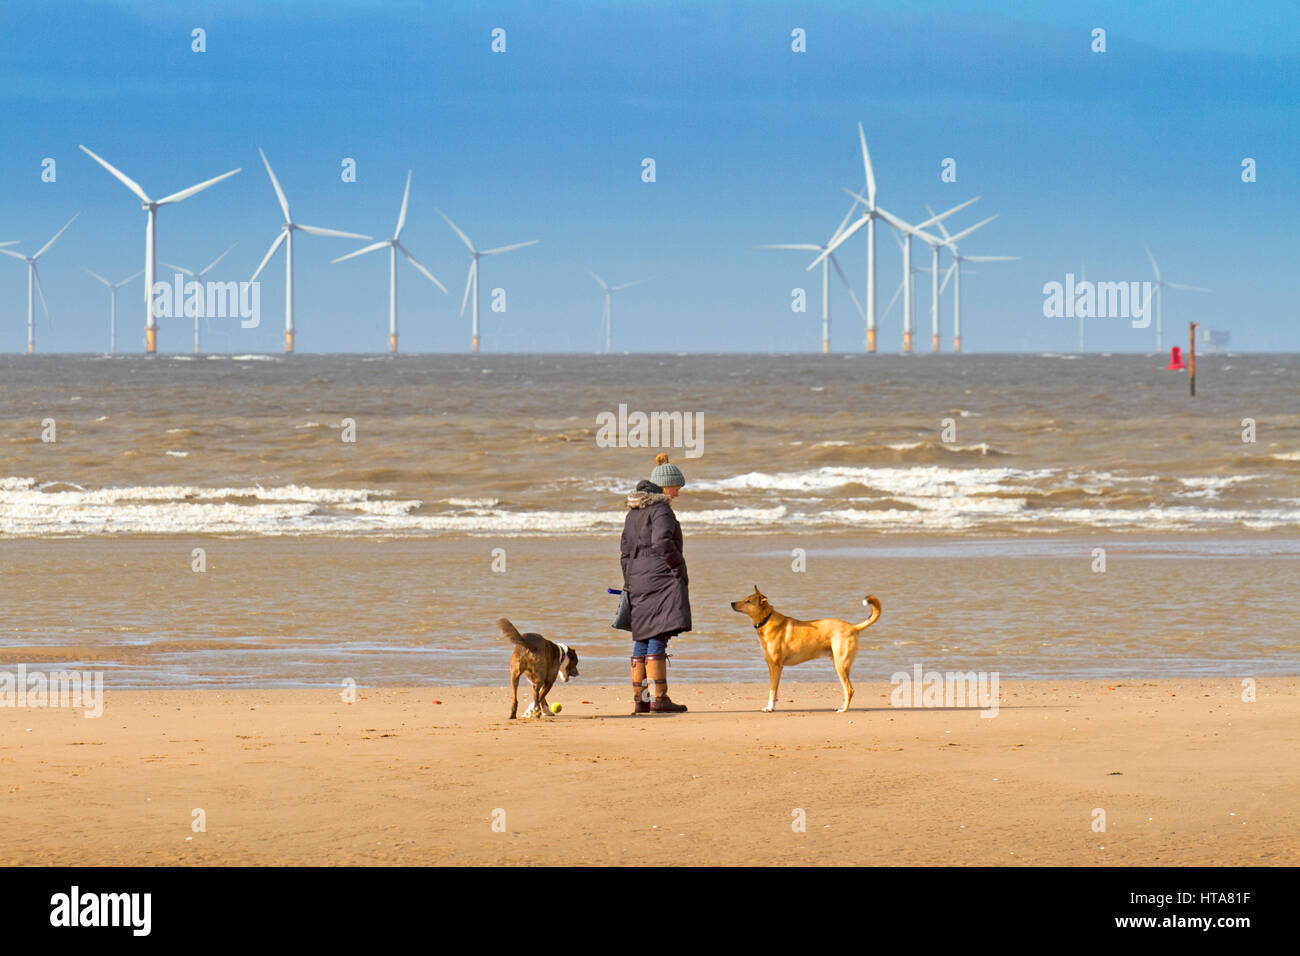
(666, 474)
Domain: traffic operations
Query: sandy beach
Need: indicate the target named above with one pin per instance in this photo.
(1185, 770)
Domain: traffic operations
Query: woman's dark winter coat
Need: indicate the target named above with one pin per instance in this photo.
(654, 571)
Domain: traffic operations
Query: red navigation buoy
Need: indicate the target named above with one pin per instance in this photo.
(1176, 359)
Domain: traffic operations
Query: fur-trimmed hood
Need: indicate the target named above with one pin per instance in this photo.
(644, 499)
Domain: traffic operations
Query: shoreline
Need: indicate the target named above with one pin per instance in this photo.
(1185, 771)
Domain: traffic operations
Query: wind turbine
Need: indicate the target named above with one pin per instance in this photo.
(954, 273)
(473, 271)
(393, 245)
(826, 264)
(150, 206)
(607, 316)
(34, 279)
(286, 238)
(908, 230)
(935, 292)
(871, 212)
(112, 306)
(198, 277)
(1160, 285)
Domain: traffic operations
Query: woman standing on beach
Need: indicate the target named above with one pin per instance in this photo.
(654, 575)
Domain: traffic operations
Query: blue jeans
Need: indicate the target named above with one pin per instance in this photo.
(652, 647)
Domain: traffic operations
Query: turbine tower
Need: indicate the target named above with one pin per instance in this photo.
(150, 206)
(393, 245)
(827, 262)
(34, 280)
(112, 306)
(198, 277)
(607, 316)
(285, 238)
(1161, 285)
(473, 272)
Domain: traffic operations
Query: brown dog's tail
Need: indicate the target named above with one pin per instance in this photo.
(875, 612)
(510, 632)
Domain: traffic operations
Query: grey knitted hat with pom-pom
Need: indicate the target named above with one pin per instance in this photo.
(666, 474)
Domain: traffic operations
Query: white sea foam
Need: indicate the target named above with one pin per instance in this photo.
(923, 480)
(898, 500)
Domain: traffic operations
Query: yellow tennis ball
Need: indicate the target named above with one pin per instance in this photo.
(556, 708)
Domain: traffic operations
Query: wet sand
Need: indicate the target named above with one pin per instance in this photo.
(297, 612)
(1185, 770)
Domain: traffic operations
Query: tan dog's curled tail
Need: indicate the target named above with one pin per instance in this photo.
(870, 599)
(511, 633)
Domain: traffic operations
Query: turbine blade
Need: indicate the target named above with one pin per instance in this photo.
(897, 292)
(967, 232)
(839, 241)
(894, 221)
(627, 285)
(843, 222)
(41, 292)
(417, 265)
(859, 197)
(56, 236)
(469, 281)
(945, 215)
(463, 238)
(381, 244)
(122, 177)
(406, 198)
(134, 275)
(208, 268)
(947, 275)
(940, 224)
(1154, 267)
(180, 269)
(866, 165)
(279, 240)
(7, 252)
(187, 193)
(279, 193)
(589, 272)
(321, 231)
(97, 276)
(843, 278)
(11, 242)
(500, 249)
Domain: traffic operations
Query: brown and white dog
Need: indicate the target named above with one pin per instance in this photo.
(787, 641)
(541, 661)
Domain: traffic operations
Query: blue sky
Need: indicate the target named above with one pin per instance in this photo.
(1084, 157)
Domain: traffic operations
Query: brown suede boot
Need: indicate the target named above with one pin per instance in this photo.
(639, 704)
(656, 667)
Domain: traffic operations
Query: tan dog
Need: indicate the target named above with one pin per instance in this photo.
(788, 641)
(541, 661)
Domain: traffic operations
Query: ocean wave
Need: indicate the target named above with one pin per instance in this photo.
(928, 499)
(929, 481)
